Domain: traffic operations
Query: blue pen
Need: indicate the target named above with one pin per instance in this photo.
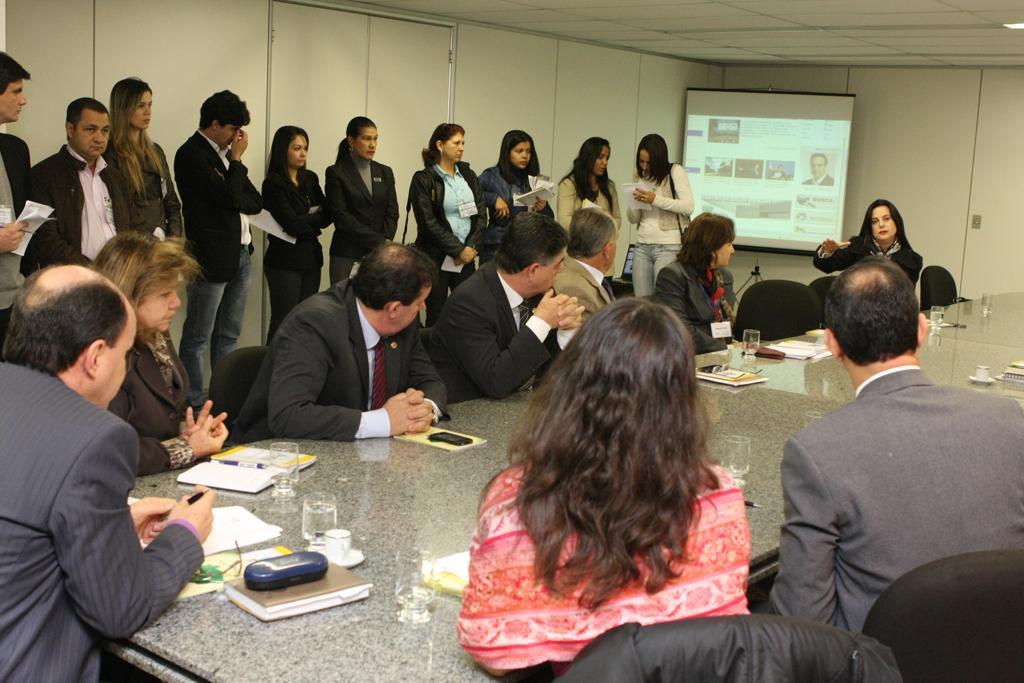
(239, 463)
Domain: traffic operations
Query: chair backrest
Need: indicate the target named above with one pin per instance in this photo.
(956, 619)
(938, 288)
(821, 287)
(779, 309)
(740, 648)
(233, 378)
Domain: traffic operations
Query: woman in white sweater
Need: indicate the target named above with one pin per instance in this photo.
(666, 191)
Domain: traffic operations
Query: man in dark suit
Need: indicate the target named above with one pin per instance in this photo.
(216, 198)
(74, 571)
(14, 173)
(90, 199)
(819, 171)
(347, 363)
(907, 473)
(361, 198)
(501, 327)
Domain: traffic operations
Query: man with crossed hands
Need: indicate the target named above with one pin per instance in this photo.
(500, 329)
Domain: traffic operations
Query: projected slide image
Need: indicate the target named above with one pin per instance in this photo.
(724, 130)
(749, 168)
(718, 166)
(781, 170)
(739, 206)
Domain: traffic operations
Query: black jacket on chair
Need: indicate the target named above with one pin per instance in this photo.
(290, 205)
(211, 199)
(434, 235)
(362, 221)
(734, 649)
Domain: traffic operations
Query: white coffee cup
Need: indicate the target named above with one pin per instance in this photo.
(981, 373)
(339, 545)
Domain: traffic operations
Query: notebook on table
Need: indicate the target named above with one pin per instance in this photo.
(339, 586)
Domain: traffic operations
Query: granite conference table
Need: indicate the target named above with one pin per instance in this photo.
(394, 495)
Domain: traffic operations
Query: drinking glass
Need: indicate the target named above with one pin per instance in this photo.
(736, 458)
(414, 585)
(751, 340)
(986, 305)
(319, 515)
(284, 456)
(935, 316)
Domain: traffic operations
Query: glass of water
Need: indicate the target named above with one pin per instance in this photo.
(414, 585)
(319, 515)
(736, 459)
(935, 316)
(284, 457)
(751, 341)
(986, 305)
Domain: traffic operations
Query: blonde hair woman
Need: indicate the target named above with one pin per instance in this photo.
(153, 398)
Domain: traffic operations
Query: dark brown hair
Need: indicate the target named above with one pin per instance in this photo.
(706, 234)
(612, 476)
(443, 133)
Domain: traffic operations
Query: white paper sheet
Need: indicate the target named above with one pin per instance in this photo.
(235, 524)
(448, 265)
(34, 214)
(628, 188)
(265, 222)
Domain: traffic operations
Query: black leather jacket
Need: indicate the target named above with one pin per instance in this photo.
(434, 234)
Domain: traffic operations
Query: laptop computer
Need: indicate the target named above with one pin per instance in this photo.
(627, 266)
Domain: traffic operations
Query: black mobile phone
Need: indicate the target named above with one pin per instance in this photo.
(449, 438)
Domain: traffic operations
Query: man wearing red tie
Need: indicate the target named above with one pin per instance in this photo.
(347, 363)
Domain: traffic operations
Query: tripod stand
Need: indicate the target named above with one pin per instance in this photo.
(755, 276)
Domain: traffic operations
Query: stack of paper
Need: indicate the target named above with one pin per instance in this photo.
(541, 189)
(34, 215)
(235, 525)
(801, 350)
(451, 573)
(244, 469)
(338, 587)
(736, 378)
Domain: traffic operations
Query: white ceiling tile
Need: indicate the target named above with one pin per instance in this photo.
(577, 4)
(969, 50)
(630, 11)
(1009, 17)
(897, 32)
(875, 19)
(891, 60)
(749, 21)
(449, 7)
(520, 16)
(783, 7)
(832, 53)
(757, 39)
(984, 5)
(910, 42)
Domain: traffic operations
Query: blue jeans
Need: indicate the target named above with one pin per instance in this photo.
(215, 313)
(648, 260)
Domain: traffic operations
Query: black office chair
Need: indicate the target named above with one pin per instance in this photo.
(779, 309)
(821, 287)
(233, 378)
(938, 288)
(741, 648)
(956, 619)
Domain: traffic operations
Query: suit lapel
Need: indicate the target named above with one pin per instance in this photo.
(209, 152)
(355, 335)
(354, 179)
(149, 373)
(584, 274)
(377, 183)
(506, 320)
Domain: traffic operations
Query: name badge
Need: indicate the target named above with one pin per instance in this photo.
(6, 215)
(721, 330)
(468, 209)
(108, 208)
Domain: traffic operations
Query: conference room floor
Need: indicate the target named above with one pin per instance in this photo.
(395, 495)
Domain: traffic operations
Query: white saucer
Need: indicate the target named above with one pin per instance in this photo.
(354, 557)
(981, 381)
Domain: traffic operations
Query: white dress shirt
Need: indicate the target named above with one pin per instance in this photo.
(536, 324)
(97, 209)
(883, 373)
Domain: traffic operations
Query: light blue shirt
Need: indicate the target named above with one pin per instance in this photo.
(456, 193)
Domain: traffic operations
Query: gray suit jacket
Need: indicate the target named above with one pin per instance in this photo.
(575, 280)
(908, 473)
(315, 380)
(678, 287)
(73, 571)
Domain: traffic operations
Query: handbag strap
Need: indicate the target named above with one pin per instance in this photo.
(672, 185)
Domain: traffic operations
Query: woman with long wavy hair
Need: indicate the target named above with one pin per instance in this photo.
(612, 511)
(141, 161)
(588, 181)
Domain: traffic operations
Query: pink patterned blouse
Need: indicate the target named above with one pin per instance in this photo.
(510, 620)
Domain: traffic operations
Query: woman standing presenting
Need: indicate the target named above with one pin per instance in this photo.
(292, 195)
(517, 161)
(660, 227)
(361, 198)
(141, 161)
(881, 234)
(613, 511)
(697, 286)
(449, 207)
(153, 397)
(588, 180)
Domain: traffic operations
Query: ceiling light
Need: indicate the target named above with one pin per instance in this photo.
(1021, 25)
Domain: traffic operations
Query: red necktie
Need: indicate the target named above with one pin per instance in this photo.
(380, 381)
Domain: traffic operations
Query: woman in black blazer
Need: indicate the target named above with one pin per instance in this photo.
(881, 234)
(448, 203)
(292, 195)
(361, 198)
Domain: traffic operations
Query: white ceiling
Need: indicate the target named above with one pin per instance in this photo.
(846, 32)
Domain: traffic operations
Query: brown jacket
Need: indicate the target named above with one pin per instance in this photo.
(146, 403)
(159, 206)
(54, 182)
